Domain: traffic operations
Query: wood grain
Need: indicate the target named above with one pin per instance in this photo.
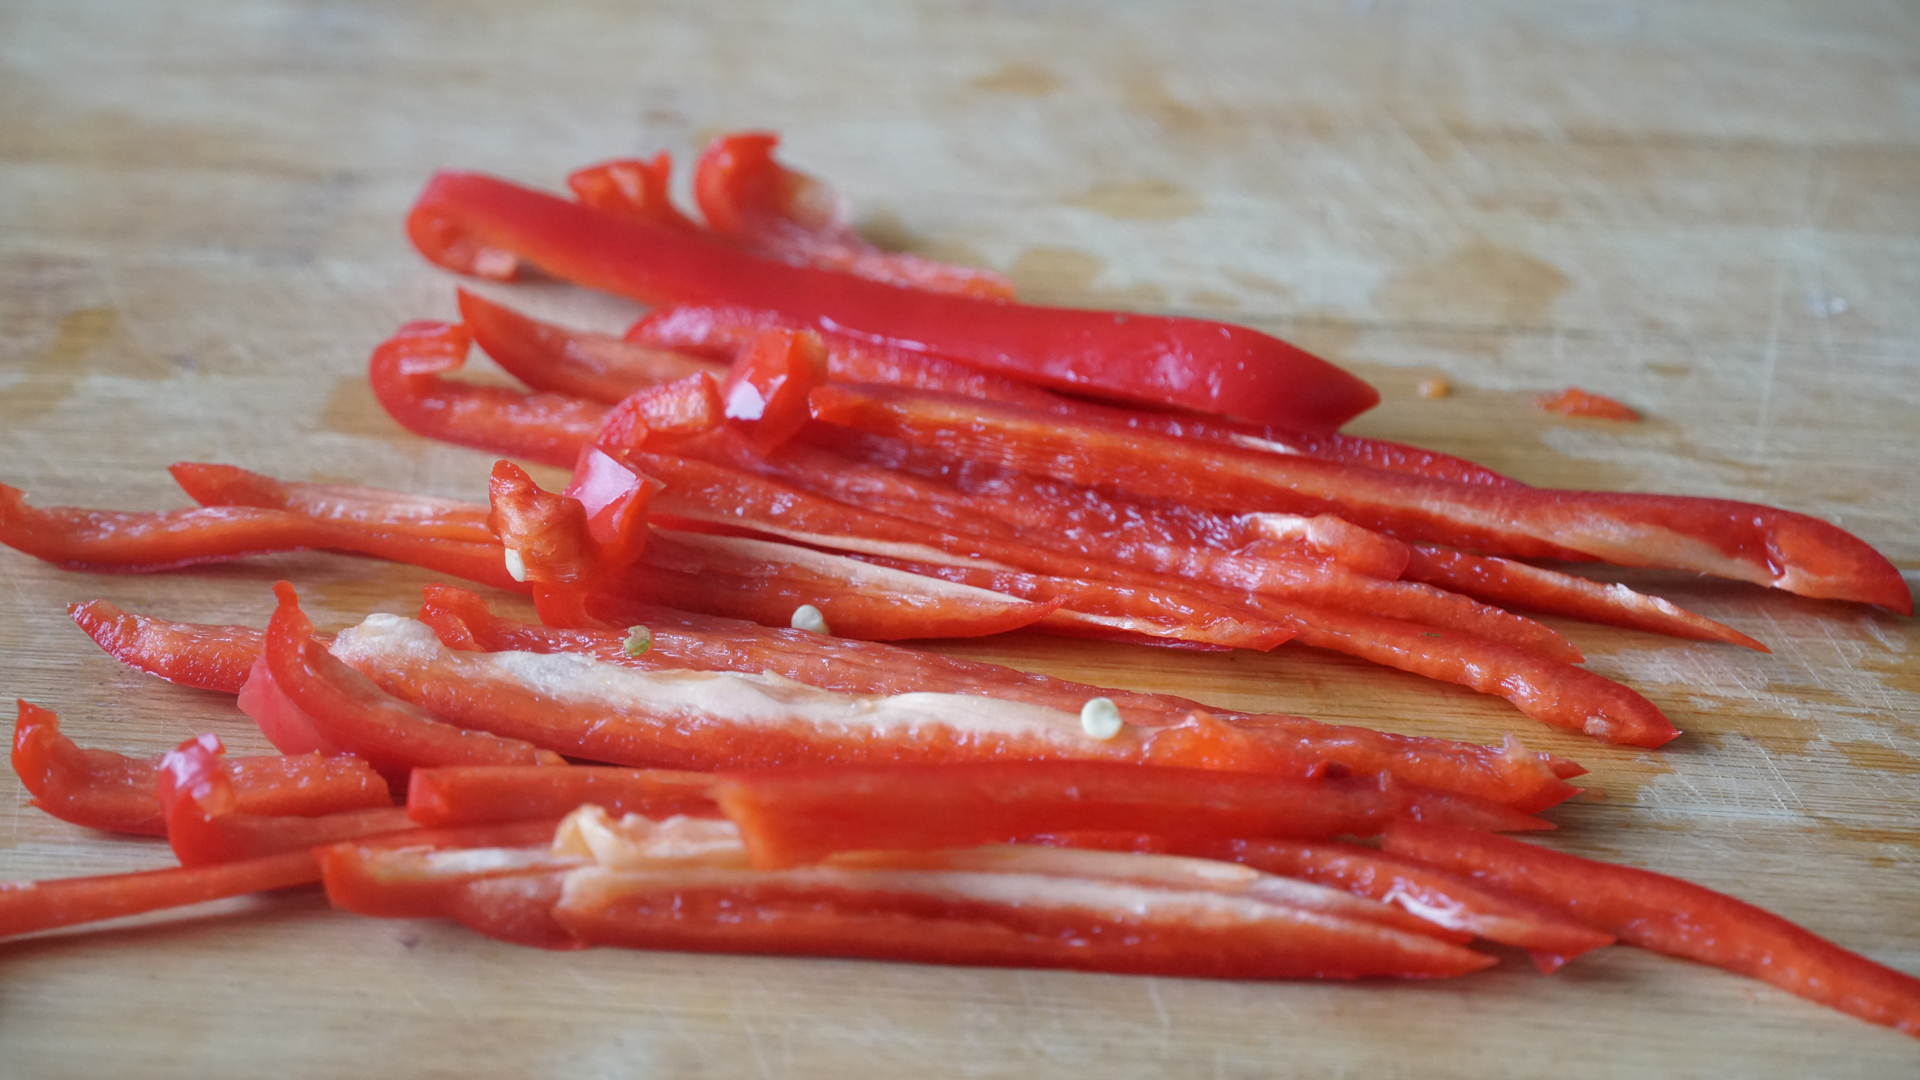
(1709, 211)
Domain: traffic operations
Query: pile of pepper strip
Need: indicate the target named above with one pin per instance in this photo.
(855, 441)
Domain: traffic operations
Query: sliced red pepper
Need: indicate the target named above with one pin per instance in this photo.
(484, 794)
(1149, 359)
(191, 654)
(1737, 540)
(632, 188)
(27, 906)
(675, 410)
(357, 716)
(766, 388)
(547, 357)
(1065, 535)
(766, 583)
(506, 891)
(793, 816)
(1510, 775)
(101, 789)
(1667, 915)
(615, 499)
(1447, 899)
(1516, 584)
(1574, 401)
(372, 508)
(406, 370)
(206, 824)
(1020, 906)
(722, 332)
(753, 200)
(130, 542)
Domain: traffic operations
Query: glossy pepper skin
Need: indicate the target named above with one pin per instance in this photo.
(101, 789)
(1742, 541)
(1152, 360)
(1667, 915)
(206, 823)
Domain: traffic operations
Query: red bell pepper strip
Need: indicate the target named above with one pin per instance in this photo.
(766, 388)
(406, 370)
(106, 541)
(1148, 359)
(484, 794)
(1574, 401)
(721, 333)
(1031, 907)
(1516, 584)
(1666, 915)
(505, 891)
(1738, 540)
(101, 789)
(1447, 899)
(1546, 689)
(615, 499)
(282, 723)
(353, 713)
(1082, 535)
(754, 201)
(1509, 775)
(792, 816)
(597, 367)
(206, 825)
(631, 188)
(373, 508)
(190, 654)
(27, 906)
(766, 582)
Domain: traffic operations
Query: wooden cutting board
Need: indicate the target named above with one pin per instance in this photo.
(1711, 212)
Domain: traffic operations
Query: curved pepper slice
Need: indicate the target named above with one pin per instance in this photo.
(766, 388)
(373, 508)
(206, 824)
(753, 200)
(1149, 359)
(133, 542)
(101, 789)
(631, 188)
(597, 367)
(1666, 915)
(190, 654)
(405, 372)
(355, 715)
(1742, 541)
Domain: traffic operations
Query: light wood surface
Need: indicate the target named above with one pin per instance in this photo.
(1709, 210)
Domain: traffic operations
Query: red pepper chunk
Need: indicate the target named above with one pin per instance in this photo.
(631, 188)
(766, 388)
(1574, 401)
(1147, 359)
(406, 370)
(1667, 915)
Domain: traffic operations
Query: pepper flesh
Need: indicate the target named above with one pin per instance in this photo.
(1738, 540)
(101, 789)
(1667, 915)
(1153, 360)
